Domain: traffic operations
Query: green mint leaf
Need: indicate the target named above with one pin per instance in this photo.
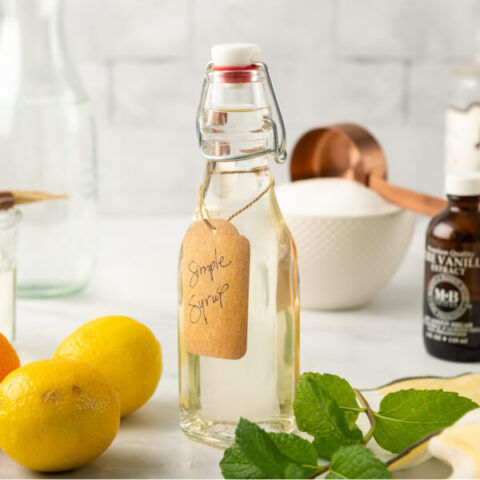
(259, 449)
(258, 454)
(295, 448)
(296, 471)
(356, 462)
(318, 414)
(327, 446)
(407, 416)
(340, 390)
(234, 464)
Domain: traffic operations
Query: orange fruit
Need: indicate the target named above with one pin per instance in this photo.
(9, 360)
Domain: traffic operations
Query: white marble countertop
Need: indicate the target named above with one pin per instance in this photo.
(136, 276)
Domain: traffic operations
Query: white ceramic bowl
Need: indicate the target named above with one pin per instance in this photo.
(345, 260)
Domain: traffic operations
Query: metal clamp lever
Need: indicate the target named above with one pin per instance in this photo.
(279, 144)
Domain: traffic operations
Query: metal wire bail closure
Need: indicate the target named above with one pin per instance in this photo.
(278, 150)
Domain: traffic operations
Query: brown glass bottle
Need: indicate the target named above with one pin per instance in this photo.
(451, 309)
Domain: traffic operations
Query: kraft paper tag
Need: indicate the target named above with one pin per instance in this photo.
(216, 270)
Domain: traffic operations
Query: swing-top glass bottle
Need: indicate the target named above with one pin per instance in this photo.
(236, 128)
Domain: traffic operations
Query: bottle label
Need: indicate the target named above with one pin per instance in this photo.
(462, 139)
(216, 275)
(450, 315)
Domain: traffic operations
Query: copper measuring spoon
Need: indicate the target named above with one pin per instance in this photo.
(349, 151)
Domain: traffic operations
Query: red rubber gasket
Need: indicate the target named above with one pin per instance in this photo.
(235, 74)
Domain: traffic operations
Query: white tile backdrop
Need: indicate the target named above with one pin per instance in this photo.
(382, 63)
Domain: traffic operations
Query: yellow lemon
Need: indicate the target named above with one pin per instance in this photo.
(124, 350)
(56, 415)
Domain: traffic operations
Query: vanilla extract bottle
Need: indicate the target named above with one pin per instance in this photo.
(452, 274)
(238, 306)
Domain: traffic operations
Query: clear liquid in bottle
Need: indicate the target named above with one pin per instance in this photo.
(216, 392)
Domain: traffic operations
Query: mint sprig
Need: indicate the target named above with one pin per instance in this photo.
(407, 416)
(318, 412)
(338, 388)
(258, 454)
(327, 408)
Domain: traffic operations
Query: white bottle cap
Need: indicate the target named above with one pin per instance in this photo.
(235, 54)
(463, 185)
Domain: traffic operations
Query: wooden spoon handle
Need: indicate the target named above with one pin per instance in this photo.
(31, 196)
(18, 197)
(417, 202)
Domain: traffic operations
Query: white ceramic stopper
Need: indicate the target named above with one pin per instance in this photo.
(235, 54)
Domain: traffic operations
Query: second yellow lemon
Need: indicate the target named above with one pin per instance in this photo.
(124, 350)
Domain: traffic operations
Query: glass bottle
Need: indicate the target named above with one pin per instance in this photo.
(9, 222)
(235, 120)
(462, 119)
(452, 274)
(47, 142)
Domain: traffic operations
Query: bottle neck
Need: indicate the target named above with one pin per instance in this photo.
(232, 123)
(232, 114)
(34, 62)
(33, 27)
(463, 204)
(229, 186)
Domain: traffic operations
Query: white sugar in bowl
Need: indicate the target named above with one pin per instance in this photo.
(350, 241)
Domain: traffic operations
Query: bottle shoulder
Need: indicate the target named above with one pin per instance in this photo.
(449, 226)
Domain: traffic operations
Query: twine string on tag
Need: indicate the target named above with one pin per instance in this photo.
(255, 170)
(203, 208)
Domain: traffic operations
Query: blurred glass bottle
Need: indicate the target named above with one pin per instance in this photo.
(47, 142)
(462, 123)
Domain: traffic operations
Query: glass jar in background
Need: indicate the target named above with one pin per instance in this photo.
(47, 142)
(9, 221)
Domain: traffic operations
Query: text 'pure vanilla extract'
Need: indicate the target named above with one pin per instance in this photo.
(452, 274)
